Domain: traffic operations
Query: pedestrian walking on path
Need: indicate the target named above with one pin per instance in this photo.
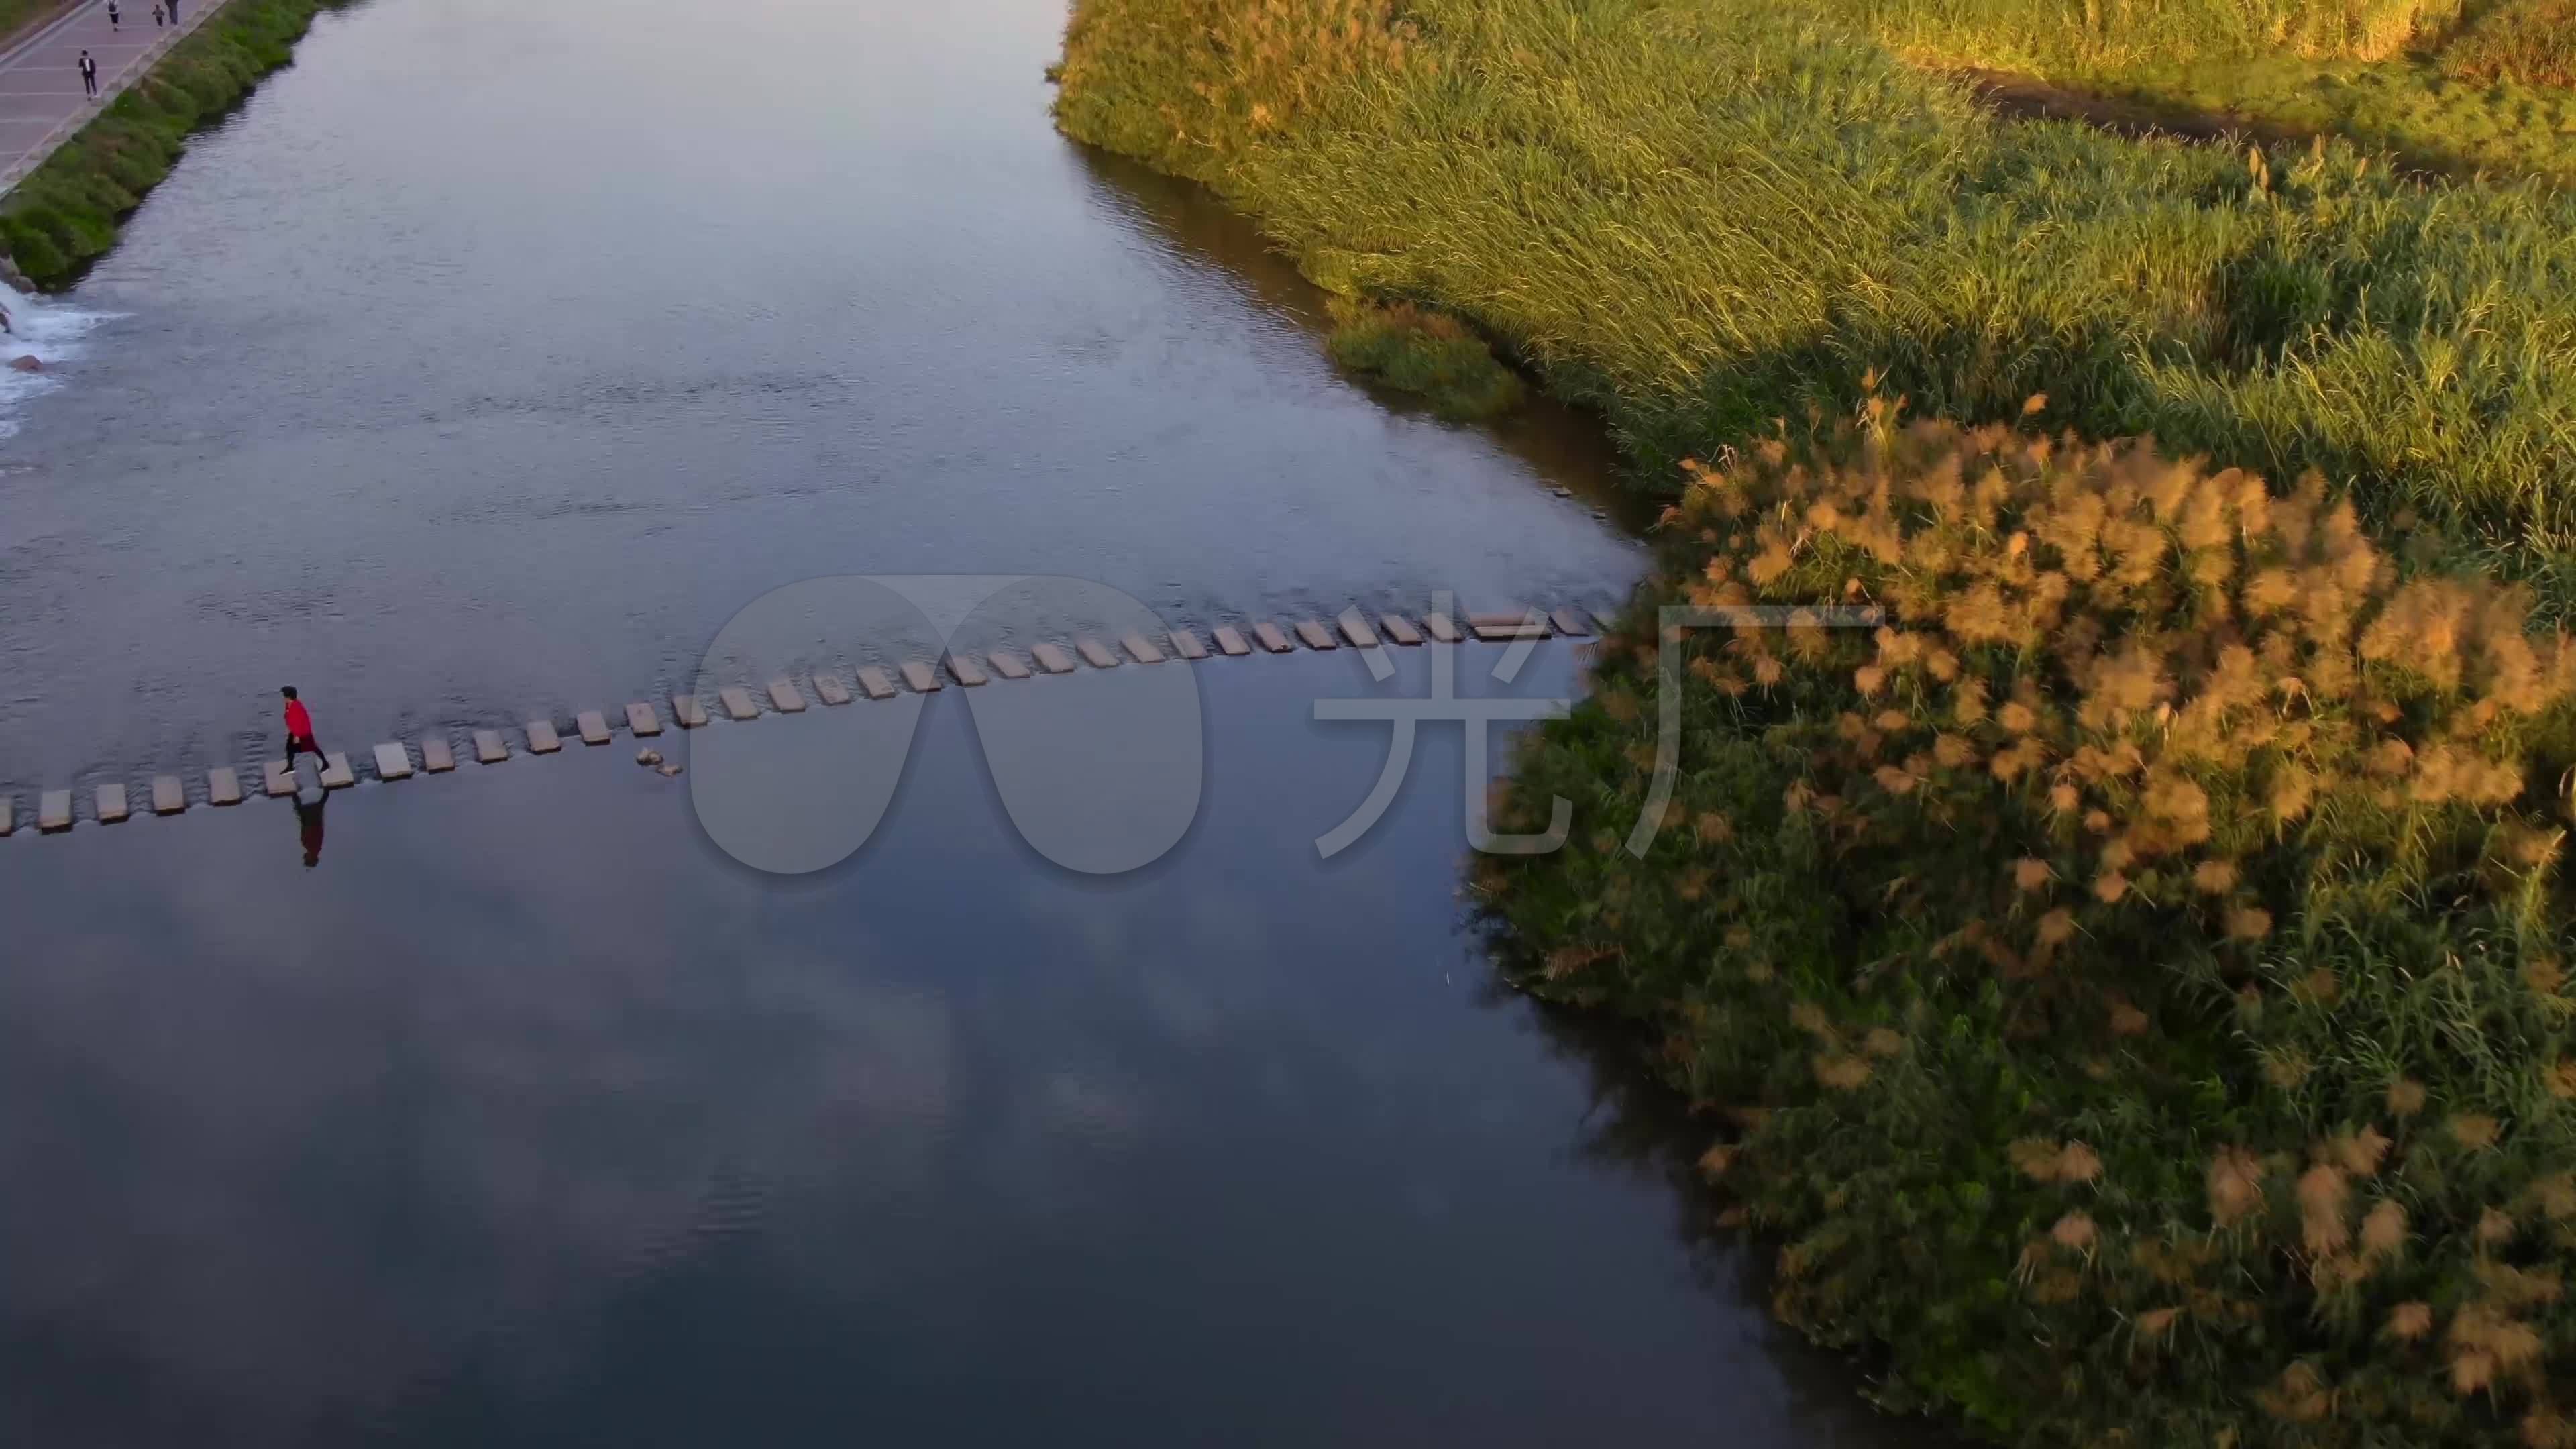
(299, 729)
(89, 75)
(114, 21)
(174, 11)
(156, 14)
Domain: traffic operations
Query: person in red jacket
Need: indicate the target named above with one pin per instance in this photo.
(299, 729)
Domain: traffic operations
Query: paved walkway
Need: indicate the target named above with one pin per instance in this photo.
(41, 102)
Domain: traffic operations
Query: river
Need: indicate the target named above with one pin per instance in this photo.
(484, 364)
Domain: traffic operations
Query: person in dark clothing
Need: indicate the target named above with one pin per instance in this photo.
(114, 20)
(156, 14)
(174, 10)
(299, 730)
(89, 75)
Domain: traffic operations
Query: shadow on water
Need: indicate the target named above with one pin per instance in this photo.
(1564, 446)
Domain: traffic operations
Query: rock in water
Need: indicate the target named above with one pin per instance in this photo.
(670, 771)
(27, 362)
(648, 757)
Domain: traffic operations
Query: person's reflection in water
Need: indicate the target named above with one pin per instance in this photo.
(310, 797)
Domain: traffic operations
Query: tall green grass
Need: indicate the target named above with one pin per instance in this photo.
(2041, 34)
(2533, 41)
(65, 214)
(1701, 215)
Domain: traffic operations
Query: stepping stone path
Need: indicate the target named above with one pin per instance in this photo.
(1440, 627)
(1400, 629)
(641, 721)
(1569, 622)
(1052, 659)
(918, 676)
(782, 693)
(1493, 628)
(169, 797)
(336, 774)
(874, 681)
(1187, 645)
(1007, 664)
(111, 804)
(281, 779)
(1355, 628)
(1315, 635)
(830, 687)
(542, 739)
(737, 703)
(54, 810)
(435, 756)
(1094, 654)
(689, 710)
(1267, 635)
(964, 669)
(1230, 643)
(1608, 623)
(223, 786)
(1141, 649)
(392, 762)
(593, 726)
(489, 747)
(8, 815)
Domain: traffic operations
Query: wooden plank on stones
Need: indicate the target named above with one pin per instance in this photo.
(964, 669)
(435, 756)
(336, 772)
(1355, 628)
(1141, 649)
(542, 739)
(1007, 664)
(874, 683)
(1052, 659)
(689, 710)
(830, 687)
(1230, 643)
(641, 721)
(917, 675)
(1567, 621)
(489, 747)
(1267, 635)
(737, 703)
(393, 762)
(1186, 644)
(111, 804)
(593, 726)
(1440, 627)
(223, 786)
(280, 779)
(1095, 654)
(1315, 635)
(169, 797)
(54, 810)
(1399, 628)
(784, 694)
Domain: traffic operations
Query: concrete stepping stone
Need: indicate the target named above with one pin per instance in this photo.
(1355, 628)
(1399, 628)
(280, 779)
(830, 687)
(111, 805)
(689, 710)
(1315, 635)
(1187, 645)
(1052, 659)
(1569, 622)
(784, 694)
(1094, 654)
(336, 773)
(593, 727)
(223, 786)
(489, 747)
(54, 810)
(737, 703)
(1230, 643)
(169, 797)
(8, 815)
(919, 676)
(1440, 627)
(435, 756)
(964, 669)
(542, 739)
(1267, 635)
(1605, 621)
(1007, 664)
(393, 762)
(641, 721)
(874, 681)
(1141, 649)
(1494, 627)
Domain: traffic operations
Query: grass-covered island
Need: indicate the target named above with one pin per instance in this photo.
(2129, 977)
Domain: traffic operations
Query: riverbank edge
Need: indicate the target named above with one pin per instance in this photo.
(70, 210)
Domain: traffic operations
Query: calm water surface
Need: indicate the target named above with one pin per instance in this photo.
(483, 366)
